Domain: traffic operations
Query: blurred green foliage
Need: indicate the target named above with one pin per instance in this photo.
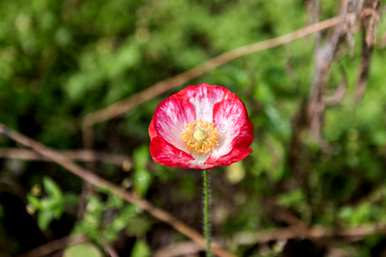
(141, 249)
(81, 250)
(50, 206)
(62, 59)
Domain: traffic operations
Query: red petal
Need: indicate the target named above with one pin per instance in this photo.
(231, 119)
(201, 102)
(240, 148)
(170, 119)
(203, 97)
(152, 131)
(168, 155)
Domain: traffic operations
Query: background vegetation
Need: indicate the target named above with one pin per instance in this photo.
(60, 60)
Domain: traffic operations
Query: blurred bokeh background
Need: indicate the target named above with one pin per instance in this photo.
(314, 185)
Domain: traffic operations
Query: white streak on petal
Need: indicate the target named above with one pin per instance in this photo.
(172, 117)
(203, 98)
(229, 117)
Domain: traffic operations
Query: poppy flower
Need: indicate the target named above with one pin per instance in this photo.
(200, 127)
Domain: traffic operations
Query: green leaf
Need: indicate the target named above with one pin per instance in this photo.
(138, 226)
(292, 198)
(142, 177)
(45, 218)
(120, 222)
(52, 189)
(141, 249)
(82, 250)
(33, 201)
(141, 157)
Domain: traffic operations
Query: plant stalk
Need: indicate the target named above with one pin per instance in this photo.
(206, 212)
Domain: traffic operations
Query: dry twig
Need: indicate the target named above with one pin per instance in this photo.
(178, 249)
(324, 57)
(54, 246)
(158, 88)
(60, 244)
(313, 7)
(110, 250)
(310, 233)
(281, 234)
(310, 115)
(75, 155)
(101, 183)
(370, 17)
(337, 97)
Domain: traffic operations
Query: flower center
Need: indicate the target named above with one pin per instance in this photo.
(200, 136)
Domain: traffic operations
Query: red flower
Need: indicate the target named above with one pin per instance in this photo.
(200, 127)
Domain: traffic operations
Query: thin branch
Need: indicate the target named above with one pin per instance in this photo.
(110, 250)
(339, 93)
(324, 57)
(54, 246)
(280, 234)
(101, 183)
(316, 232)
(310, 115)
(75, 155)
(158, 88)
(178, 249)
(370, 17)
(313, 7)
(87, 189)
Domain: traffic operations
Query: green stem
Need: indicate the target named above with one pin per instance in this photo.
(205, 210)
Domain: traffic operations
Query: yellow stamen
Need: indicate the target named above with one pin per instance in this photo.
(200, 136)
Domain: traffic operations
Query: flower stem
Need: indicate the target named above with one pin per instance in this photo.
(205, 210)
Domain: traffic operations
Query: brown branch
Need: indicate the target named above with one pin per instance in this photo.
(75, 155)
(101, 183)
(316, 232)
(324, 57)
(54, 246)
(310, 115)
(313, 7)
(281, 234)
(339, 93)
(60, 244)
(158, 88)
(87, 190)
(178, 249)
(370, 17)
(110, 250)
